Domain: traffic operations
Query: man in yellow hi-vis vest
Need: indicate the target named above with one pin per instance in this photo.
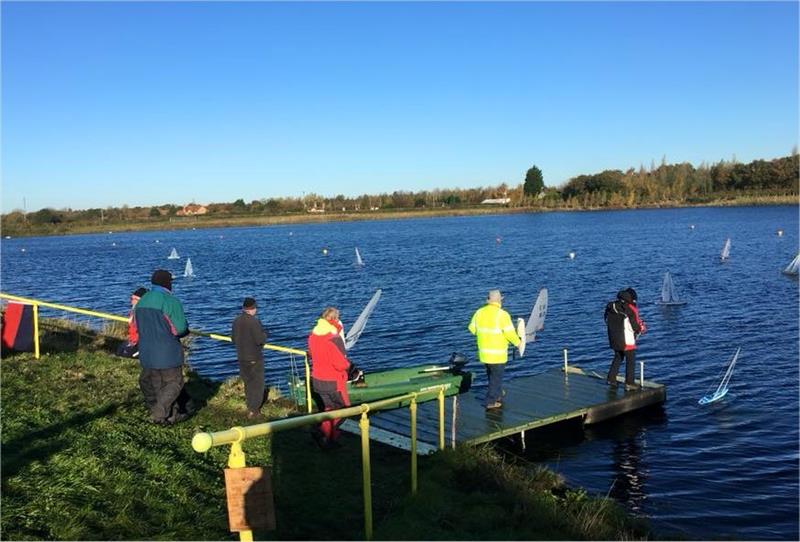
(493, 330)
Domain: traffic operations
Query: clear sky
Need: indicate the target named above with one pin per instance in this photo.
(105, 104)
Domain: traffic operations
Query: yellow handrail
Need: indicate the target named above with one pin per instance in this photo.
(39, 303)
(235, 436)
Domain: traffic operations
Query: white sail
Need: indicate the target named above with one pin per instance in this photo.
(722, 389)
(189, 271)
(726, 250)
(668, 294)
(355, 331)
(173, 255)
(536, 319)
(359, 261)
(794, 267)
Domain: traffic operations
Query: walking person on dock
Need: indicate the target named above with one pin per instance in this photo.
(624, 325)
(493, 330)
(130, 348)
(329, 372)
(161, 323)
(249, 337)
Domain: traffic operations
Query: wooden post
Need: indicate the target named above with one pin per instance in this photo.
(453, 423)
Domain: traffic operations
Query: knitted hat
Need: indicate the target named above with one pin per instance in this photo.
(162, 278)
(249, 303)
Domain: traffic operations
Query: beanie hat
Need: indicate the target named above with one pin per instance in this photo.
(249, 303)
(139, 292)
(162, 278)
(625, 295)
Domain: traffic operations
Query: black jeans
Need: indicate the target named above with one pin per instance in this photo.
(630, 366)
(161, 388)
(252, 373)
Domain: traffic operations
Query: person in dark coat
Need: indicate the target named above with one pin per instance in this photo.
(624, 325)
(130, 348)
(161, 323)
(249, 337)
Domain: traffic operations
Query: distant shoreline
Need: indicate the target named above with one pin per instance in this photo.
(205, 222)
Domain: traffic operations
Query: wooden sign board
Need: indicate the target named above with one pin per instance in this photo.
(250, 501)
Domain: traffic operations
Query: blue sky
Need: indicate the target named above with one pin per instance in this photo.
(105, 104)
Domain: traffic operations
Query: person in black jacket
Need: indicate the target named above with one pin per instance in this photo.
(249, 337)
(624, 325)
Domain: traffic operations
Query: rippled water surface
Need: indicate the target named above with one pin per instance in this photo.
(728, 470)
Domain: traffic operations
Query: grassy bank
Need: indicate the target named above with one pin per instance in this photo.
(160, 224)
(80, 461)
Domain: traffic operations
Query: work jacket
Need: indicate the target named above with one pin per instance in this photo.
(249, 336)
(623, 322)
(493, 330)
(329, 361)
(161, 323)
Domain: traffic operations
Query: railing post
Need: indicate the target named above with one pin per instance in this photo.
(308, 382)
(236, 460)
(441, 418)
(413, 408)
(566, 364)
(363, 424)
(36, 331)
(641, 374)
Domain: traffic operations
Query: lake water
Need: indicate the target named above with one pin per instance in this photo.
(728, 470)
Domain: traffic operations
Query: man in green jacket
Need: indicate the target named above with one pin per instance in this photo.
(161, 323)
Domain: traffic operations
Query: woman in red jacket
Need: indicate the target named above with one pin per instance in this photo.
(329, 369)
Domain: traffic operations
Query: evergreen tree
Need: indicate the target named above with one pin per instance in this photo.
(534, 183)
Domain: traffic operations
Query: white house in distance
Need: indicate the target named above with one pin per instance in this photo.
(496, 201)
(192, 209)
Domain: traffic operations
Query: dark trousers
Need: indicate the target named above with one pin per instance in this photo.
(630, 366)
(161, 389)
(495, 373)
(327, 397)
(252, 373)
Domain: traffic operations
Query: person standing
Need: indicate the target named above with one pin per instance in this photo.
(249, 337)
(329, 372)
(130, 348)
(624, 325)
(493, 331)
(161, 323)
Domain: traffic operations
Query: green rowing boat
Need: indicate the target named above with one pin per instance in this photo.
(395, 382)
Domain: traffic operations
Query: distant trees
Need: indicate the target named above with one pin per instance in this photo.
(658, 184)
(534, 182)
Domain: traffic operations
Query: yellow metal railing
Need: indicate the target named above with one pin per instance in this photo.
(202, 442)
(36, 303)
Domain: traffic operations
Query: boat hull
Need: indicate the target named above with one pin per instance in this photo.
(384, 384)
(395, 382)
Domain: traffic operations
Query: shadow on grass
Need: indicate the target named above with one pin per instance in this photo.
(40, 444)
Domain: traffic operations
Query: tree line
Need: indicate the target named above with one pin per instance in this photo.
(663, 184)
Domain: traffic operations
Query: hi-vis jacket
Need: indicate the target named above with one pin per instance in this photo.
(493, 330)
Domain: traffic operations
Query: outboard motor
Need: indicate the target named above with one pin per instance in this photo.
(457, 361)
(355, 375)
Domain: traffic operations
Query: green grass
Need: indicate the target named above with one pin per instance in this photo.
(80, 461)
